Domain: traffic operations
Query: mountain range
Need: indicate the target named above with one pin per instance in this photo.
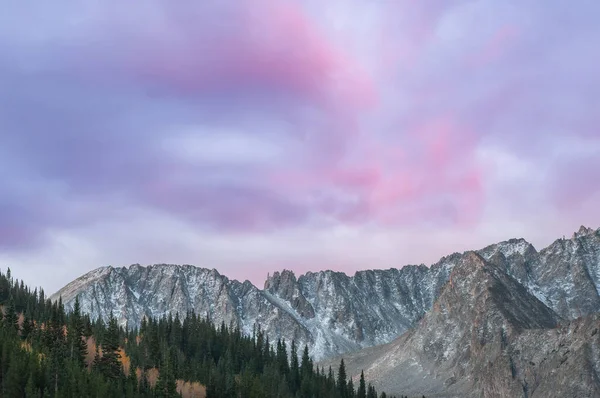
(506, 320)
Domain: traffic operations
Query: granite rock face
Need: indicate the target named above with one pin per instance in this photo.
(334, 313)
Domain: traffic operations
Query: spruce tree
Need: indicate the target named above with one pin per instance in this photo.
(109, 362)
(350, 391)
(11, 319)
(330, 380)
(77, 345)
(27, 327)
(166, 386)
(306, 368)
(14, 383)
(342, 385)
(362, 387)
(282, 358)
(371, 392)
(294, 369)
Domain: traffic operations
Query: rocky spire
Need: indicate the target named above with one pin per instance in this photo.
(583, 231)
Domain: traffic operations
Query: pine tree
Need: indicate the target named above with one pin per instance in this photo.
(371, 392)
(11, 319)
(96, 364)
(350, 390)
(362, 387)
(294, 369)
(14, 383)
(330, 380)
(166, 386)
(109, 362)
(342, 385)
(282, 358)
(77, 345)
(54, 337)
(27, 326)
(306, 368)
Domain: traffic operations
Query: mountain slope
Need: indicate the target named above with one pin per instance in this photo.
(479, 309)
(487, 336)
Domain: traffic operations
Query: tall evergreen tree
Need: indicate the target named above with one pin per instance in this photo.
(166, 386)
(350, 390)
(282, 358)
(362, 387)
(27, 327)
(371, 392)
(11, 319)
(77, 345)
(294, 369)
(109, 361)
(342, 385)
(15, 376)
(306, 368)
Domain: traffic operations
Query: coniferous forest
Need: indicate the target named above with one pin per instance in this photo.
(46, 352)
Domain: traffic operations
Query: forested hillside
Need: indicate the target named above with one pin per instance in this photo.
(46, 352)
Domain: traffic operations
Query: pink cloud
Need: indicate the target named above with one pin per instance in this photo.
(391, 185)
(263, 47)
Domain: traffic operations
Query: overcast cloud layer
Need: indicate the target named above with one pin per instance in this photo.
(256, 135)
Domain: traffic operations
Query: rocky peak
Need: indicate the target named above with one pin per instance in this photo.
(470, 265)
(509, 248)
(583, 231)
(285, 286)
(285, 279)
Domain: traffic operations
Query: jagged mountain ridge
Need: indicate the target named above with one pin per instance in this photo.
(487, 336)
(331, 312)
(564, 275)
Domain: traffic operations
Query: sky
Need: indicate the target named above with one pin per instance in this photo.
(256, 135)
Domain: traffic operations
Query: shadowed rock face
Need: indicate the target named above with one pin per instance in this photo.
(334, 313)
